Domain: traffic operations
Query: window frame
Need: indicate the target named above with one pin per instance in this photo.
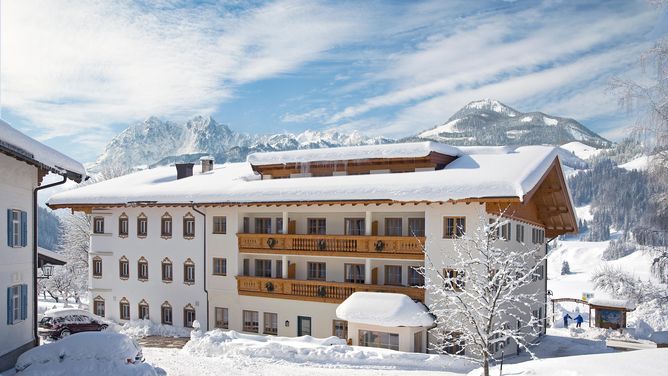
(98, 225)
(387, 273)
(166, 226)
(219, 266)
(188, 226)
(97, 302)
(316, 226)
(391, 228)
(189, 272)
(263, 268)
(350, 278)
(252, 318)
(140, 263)
(411, 279)
(166, 262)
(391, 344)
(164, 308)
(354, 226)
(455, 230)
(219, 224)
(141, 307)
(123, 263)
(412, 226)
(272, 318)
(341, 325)
(224, 323)
(124, 305)
(457, 275)
(317, 267)
(97, 267)
(142, 226)
(189, 310)
(262, 225)
(123, 225)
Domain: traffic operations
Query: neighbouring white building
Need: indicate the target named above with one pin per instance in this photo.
(275, 244)
(24, 163)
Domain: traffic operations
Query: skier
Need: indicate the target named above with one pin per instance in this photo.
(566, 317)
(578, 321)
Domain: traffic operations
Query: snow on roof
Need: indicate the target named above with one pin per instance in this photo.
(384, 309)
(25, 145)
(60, 312)
(615, 303)
(405, 150)
(476, 175)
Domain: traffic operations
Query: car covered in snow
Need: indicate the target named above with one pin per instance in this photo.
(62, 322)
(105, 353)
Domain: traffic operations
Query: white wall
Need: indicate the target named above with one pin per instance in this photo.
(16, 264)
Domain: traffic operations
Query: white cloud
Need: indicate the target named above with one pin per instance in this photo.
(313, 115)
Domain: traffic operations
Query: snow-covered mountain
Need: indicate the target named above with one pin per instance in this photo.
(157, 142)
(490, 122)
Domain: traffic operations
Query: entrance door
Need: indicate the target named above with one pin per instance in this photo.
(303, 326)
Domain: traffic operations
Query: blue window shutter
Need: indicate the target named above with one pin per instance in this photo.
(24, 302)
(24, 229)
(10, 233)
(10, 308)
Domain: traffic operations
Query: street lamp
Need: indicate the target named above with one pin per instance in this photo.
(47, 271)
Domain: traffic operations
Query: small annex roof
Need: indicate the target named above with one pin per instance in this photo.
(346, 153)
(384, 309)
(612, 303)
(17, 144)
(484, 173)
(46, 256)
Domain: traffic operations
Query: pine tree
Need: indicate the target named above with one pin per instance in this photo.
(565, 268)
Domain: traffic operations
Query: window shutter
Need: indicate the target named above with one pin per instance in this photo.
(24, 302)
(10, 233)
(10, 307)
(24, 229)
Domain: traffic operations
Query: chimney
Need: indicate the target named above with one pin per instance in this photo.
(207, 163)
(184, 170)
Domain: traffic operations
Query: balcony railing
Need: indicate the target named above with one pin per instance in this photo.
(320, 291)
(402, 247)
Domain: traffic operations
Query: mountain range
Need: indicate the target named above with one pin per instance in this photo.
(486, 122)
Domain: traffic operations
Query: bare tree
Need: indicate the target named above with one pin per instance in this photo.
(483, 294)
(76, 246)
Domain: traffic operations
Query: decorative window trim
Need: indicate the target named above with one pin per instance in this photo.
(166, 261)
(164, 305)
(98, 225)
(140, 217)
(122, 260)
(186, 264)
(123, 217)
(97, 259)
(121, 303)
(143, 303)
(188, 218)
(163, 233)
(187, 308)
(142, 260)
(96, 300)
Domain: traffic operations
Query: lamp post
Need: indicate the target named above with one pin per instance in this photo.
(47, 271)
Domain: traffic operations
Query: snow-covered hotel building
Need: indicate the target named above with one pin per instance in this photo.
(275, 244)
(24, 163)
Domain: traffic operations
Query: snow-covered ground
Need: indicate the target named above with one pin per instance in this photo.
(581, 150)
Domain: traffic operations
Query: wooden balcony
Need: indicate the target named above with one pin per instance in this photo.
(317, 291)
(394, 247)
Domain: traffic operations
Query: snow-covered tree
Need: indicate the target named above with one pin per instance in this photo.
(623, 285)
(565, 268)
(483, 294)
(75, 246)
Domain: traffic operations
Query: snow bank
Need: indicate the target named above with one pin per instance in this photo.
(328, 352)
(145, 328)
(384, 309)
(14, 139)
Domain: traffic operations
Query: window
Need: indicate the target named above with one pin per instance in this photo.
(392, 226)
(355, 226)
(415, 226)
(505, 231)
(371, 338)
(188, 316)
(142, 226)
(316, 226)
(279, 225)
(263, 225)
(17, 303)
(354, 273)
(222, 318)
(124, 268)
(454, 227)
(393, 274)
(340, 328)
(167, 270)
(246, 225)
(454, 279)
(166, 313)
(456, 343)
(188, 226)
(142, 269)
(537, 236)
(250, 321)
(98, 225)
(270, 323)
(219, 224)
(263, 268)
(143, 310)
(166, 226)
(97, 267)
(189, 272)
(414, 276)
(316, 271)
(246, 267)
(123, 225)
(279, 268)
(219, 266)
(124, 306)
(17, 228)
(519, 233)
(539, 273)
(98, 306)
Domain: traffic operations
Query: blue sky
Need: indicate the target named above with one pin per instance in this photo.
(75, 74)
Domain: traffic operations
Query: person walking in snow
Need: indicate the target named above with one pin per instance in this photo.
(578, 321)
(566, 317)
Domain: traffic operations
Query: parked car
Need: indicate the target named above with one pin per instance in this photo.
(106, 353)
(62, 322)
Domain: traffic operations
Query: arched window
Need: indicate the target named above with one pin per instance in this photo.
(142, 269)
(142, 225)
(123, 268)
(143, 310)
(189, 272)
(98, 306)
(124, 306)
(167, 271)
(97, 267)
(123, 226)
(188, 226)
(188, 316)
(166, 313)
(166, 226)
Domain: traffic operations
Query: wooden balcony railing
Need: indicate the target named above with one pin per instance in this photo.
(401, 247)
(319, 291)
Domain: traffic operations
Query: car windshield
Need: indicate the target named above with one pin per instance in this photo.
(45, 320)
